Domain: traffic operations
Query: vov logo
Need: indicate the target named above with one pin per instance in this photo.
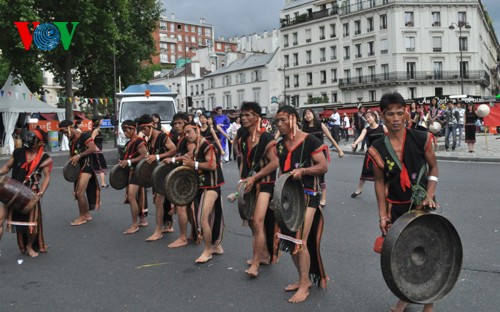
(46, 36)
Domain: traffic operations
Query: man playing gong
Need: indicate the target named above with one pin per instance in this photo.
(86, 189)
(258, 170)
(159, 146)
(29, 164)
(135, 151)
(305, 157)
(208, 205)
(182, 147)
(401, 158)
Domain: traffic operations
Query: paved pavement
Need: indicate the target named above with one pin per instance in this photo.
(96, 268)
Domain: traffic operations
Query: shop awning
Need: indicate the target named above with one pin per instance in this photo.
(79, 115)
(49, 116)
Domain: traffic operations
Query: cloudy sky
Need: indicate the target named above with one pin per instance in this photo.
(244, 17)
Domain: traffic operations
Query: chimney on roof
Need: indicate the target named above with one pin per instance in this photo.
(172, 16)
(202, 20)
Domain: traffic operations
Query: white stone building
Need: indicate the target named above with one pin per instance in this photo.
(356, 50)
(253, 78)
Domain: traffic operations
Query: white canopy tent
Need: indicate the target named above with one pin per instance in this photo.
(16, 98)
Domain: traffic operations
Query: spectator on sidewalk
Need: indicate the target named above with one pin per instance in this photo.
(347, 126)
(460, 122)
(335, 119)
(359, 124)
(451, 118)
(470, 127)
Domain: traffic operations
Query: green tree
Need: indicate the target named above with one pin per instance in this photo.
(14, 57)
(107, 28)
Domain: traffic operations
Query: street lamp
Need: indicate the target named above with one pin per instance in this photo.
(460, 25)
(283, 69)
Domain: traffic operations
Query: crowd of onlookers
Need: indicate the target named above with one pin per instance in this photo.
(455, 119)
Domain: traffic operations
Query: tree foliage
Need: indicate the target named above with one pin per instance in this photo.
(107, 28)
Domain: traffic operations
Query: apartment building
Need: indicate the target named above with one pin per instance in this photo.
(177, 39)
(356, 50)
(251, 78)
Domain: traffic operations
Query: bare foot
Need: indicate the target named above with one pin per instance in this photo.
(294, 286)
(154, 237)
(178, 243)
(217, 250)
(44, 249)
(168, 230)
(253, 271)
(78, 221)
(262, 262)
(399, 307)
(341, 154)
(205, 257)
(131, 230)
(143, 223)
(32, 253)
(88, 218)
(300, 296)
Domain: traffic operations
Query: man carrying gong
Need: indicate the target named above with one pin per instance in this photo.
(86, 190)
(305, 157)
(258, 171)
(406, 165)
(159, 147)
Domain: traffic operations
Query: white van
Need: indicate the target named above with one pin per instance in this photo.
(134, 103)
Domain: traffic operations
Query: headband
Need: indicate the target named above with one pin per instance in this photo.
(147, 125)
(38, 134)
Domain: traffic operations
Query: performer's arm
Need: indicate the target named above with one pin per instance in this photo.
(384, 217)
(329, 136)
(46, 180)
(210, 165)
(143, 151)
(430, 158)
(271, 167)
(171, 149)
(320, 166)
(6, 168)
(216, 139)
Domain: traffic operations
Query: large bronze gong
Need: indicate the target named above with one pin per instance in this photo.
(181, 186)
(70, 172)
(288, 203)
(159, 175)
(421, 257)
(144, 172)
(246, 202)
(118, 177)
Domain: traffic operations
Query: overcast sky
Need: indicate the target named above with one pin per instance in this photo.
(244, 17)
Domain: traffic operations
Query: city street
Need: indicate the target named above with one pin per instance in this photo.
(94, 267)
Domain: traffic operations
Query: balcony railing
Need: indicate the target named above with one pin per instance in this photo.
(306, 17)
(479, 76)
(333, 57)
(322, 59)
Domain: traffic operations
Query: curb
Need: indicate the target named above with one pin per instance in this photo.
(440, 157)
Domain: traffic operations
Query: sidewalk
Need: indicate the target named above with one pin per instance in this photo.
(107, 146)
(460, 153)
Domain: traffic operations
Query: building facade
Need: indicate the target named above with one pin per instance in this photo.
(355, 50)
(177, 39)
(252, 78)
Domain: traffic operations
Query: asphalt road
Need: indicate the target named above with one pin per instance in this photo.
(95, 267)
